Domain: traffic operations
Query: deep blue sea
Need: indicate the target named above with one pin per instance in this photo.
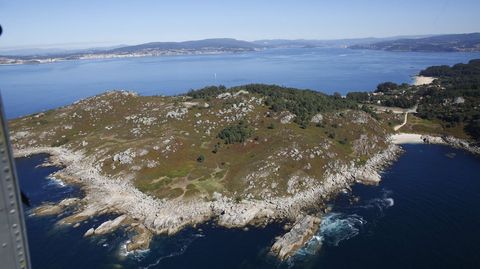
(31, 88)
(424, 214)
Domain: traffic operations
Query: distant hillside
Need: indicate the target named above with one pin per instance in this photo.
(224, 43)
(206, 46)
(440, 43)
(309, 43)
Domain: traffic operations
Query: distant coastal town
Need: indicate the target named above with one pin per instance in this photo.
(111, 55)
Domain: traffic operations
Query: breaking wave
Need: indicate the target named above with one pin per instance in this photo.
(380, 204)
(337, 227)
(55, 181)
(334, 228)
(182, 248)
(137, 254)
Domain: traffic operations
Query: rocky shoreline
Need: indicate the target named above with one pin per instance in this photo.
(149, 216)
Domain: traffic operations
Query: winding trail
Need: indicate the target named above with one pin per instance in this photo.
(411, 110)
(419, 80)
(397, 127)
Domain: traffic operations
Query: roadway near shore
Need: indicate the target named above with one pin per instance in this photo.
(396, 128)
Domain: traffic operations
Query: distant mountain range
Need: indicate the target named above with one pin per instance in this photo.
(439, 43)
(206, 44)
(459, 42)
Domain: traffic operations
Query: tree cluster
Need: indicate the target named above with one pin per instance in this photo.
(207, 92)
(303, 103)
(236, 133)
(386, 87)
(459, 81)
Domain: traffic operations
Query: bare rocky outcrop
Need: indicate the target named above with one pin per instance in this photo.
(287, 117)
(55, 209)
(142, 238)
(370, 172)
(458, 143)
(107, 227)
(89, 232)
(301, 232)
(429, 139)
(317, 118)
(110, 225)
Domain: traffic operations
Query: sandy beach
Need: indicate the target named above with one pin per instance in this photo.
(409, 138)
(421, 80)
(404, 138)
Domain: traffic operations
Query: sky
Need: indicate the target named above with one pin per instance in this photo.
(85, 23)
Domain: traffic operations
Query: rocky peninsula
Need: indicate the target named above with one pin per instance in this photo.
(249, 155)
(224, 155)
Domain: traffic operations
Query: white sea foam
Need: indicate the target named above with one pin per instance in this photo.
(334, 228)
(123, 252)
(56, 181)
(381, 203)
(136, 254)
(312, 247)
(337, 227)
(179, 252)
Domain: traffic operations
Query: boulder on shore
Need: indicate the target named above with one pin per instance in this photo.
(55, 209)
(110, 225)
(89, 232)
(141, 240)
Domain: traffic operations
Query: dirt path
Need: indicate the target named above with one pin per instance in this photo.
(411, 110)
(396, 128)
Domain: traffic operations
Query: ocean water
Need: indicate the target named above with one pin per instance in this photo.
(32, 88)
(424, 214)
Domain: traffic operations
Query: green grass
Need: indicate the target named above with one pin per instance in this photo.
(179, 172)
(209, 186)
(176, 171)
